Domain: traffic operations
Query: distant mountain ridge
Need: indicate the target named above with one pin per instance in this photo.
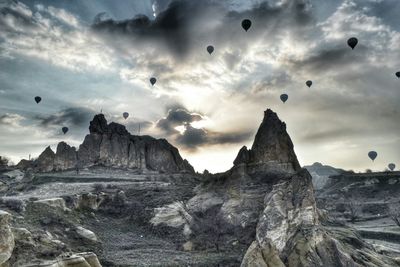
(320, 174)
(111, 145)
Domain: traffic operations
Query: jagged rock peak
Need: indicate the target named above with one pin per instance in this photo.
(98, 124)
(47, 152)
(111, 145)
(272, 145)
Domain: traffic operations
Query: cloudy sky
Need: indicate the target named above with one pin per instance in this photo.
(83, 57)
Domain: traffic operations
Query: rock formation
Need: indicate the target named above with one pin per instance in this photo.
(272, 147)
(267, 202)
(6, 237)
(321, 173)
(112, 145)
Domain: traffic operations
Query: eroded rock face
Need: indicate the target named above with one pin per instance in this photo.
(113, 146)
(45, 161)
(66, 157)
(6, 237)
(266, 201)
(272, 148)
(273, 144)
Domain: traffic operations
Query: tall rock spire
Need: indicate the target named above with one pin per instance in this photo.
(272, 145)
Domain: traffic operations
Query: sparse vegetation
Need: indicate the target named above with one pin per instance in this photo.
(209, 229)
(4, 162)
(354, 210)
(13, 204)
(98, 187)
(394, 212)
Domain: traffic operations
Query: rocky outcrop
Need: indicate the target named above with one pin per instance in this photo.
(321, 173)
(66, 157)
(6, 237)
(266, 202)
(272, 147)
(112, 145)
(45, 161)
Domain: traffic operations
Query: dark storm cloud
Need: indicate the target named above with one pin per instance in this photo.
(176, 117)
(171, 25)
(192, 138)
(12, 11)
(7, 119)
(75, 116)
(332, 58)
(185, 24)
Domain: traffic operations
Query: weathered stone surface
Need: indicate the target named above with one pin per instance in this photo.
(321, 173)
(45, 161)
(66, 157)
(272, 147)
(85, 259)
(112, 145)
(267, 202)
(89, 201)
(85, 234)
(6, 237)
(55, 203)
(15, 175)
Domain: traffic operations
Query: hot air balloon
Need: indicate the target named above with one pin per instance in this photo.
(392, 166)
(153, 80)
(309, 83)
(38, 99)
(64, 130)
(125, 115)
(284, 97)
(246, 24)
(398, 74)
(372, 155)
(352, 42)
(210, 49)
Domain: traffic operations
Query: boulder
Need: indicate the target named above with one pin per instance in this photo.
(6, 237)
(85, 234)
(55, 203)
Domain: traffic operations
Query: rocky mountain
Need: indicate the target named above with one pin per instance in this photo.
(262, 212)
(320, 174)
(266, 202)
(272, 147)
(111, 145)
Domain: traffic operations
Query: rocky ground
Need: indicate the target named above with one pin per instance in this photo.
(262, 212)
(369, 202)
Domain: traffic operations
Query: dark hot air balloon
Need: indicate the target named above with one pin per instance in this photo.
(372, 155)
(210, 49)
(284, 97)
(64, 130)
(392, 166)
(153, 80)
(398, 74)
(309, 83)
(246, 24)
(38, 99)
(352, 42)
(125, 115)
